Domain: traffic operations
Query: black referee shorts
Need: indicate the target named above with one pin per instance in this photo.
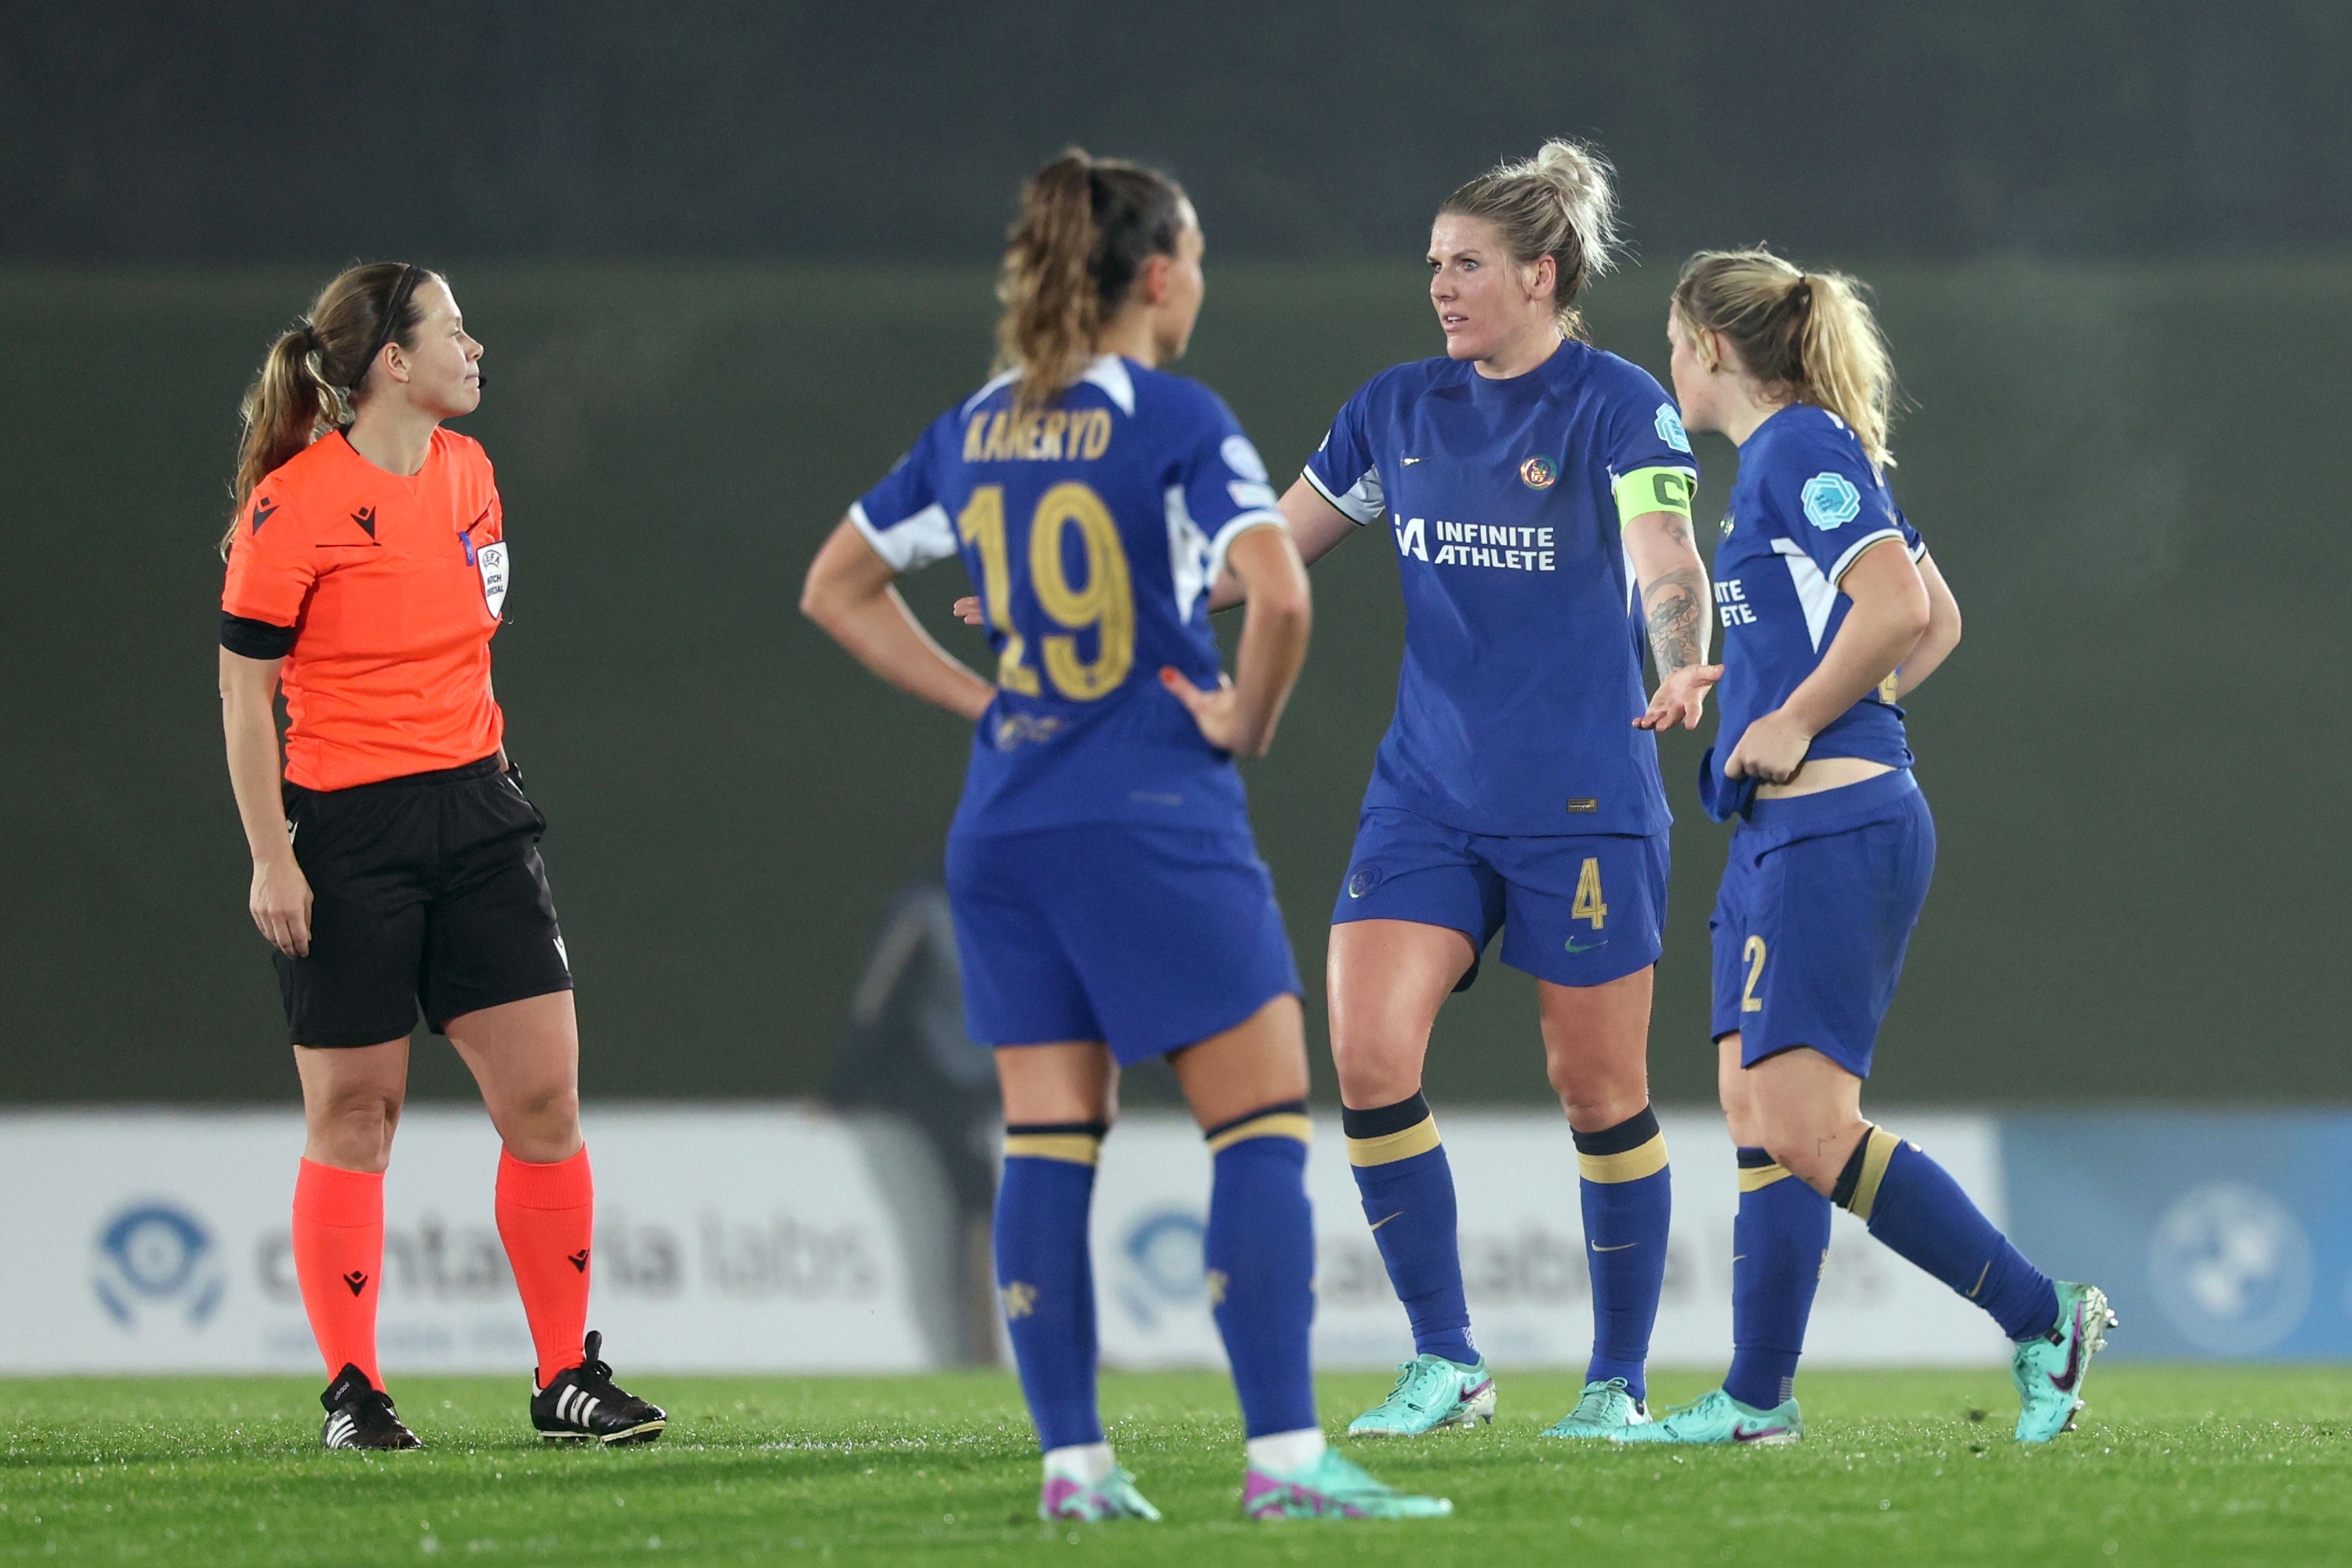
(425, 888)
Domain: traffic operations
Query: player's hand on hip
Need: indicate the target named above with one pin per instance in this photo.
(967, 609)
(1770, 751)
(1218, 712)
(1680, 698)
(280, 904)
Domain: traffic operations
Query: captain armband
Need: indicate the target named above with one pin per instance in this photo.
(1647, 490)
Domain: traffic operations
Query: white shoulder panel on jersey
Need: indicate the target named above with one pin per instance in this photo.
(995, 383)
(1363, 502)
(1110, 373)
(915, 543)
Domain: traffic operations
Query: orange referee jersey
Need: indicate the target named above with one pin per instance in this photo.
(393, 584)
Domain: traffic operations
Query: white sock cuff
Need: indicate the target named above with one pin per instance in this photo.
(1088, 1464)
(1282, 1452)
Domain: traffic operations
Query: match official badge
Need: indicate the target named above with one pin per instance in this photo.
(1538, 474)
(492, 560)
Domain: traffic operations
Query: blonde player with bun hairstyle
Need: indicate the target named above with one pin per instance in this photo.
(1537, 493)
(1832, 611)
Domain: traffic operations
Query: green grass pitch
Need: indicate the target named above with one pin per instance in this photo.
(2174, 1465)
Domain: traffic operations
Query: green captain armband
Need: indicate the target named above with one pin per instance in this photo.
(1647, 490)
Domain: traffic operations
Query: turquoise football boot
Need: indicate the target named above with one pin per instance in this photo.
(1113, 1497)
(1605, 1410)
(1717, 1418)
(2049, 1371)
(1431, 1391)
(1333, 1487)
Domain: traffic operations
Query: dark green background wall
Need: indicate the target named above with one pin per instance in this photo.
(2128, 475)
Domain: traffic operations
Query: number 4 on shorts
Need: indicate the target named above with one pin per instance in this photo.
(1588, 906)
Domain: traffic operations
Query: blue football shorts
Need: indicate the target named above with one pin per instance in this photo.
(1576, 909)
(1818, 902)
(1147, 938)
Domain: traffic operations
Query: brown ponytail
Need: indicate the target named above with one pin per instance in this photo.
(1085, 228)
(310, 377)
(1811, 335)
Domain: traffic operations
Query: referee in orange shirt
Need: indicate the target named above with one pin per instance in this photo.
(396, 862)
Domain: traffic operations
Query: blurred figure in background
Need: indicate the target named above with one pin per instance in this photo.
(396, 861)
(1108, 899)
(1832, 609)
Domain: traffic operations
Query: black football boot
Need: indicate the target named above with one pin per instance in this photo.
(360, 1415)
(585, 1406)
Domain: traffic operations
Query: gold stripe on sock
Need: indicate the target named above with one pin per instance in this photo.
(1389, 1147)
(1755, 1178)
(1879, 1150)
(1279, 1124)
(1635, 1163)
(1078, 1148)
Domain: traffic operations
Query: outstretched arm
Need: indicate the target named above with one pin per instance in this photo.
(853, 594)
(1681, 620)
(1316, 526)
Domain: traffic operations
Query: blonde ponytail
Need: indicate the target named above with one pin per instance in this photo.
(1561, 204)
(1809, 335)
(312, 375)
(1086, 227)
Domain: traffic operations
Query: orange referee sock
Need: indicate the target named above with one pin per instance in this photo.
(338, 1257)
(547, 1217)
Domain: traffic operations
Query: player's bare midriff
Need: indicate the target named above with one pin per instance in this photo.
(1823, 773)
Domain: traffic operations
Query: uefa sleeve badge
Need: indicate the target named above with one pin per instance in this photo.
(1831, 500)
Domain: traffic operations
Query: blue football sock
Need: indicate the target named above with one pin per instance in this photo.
(1913, 1206)
(1779, 1243)
(1044, 1279)
(1408, 1192)
(1260, 1254)
(1627, 1196)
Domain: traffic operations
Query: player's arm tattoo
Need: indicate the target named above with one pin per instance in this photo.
(1677, 611)
(1677, 604)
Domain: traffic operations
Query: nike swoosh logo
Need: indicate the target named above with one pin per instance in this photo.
(1598, 1247)
(2064, 1381)
(1742, 1435)
(1981, 1280)
(1408, 462)
(1378, 1224)
(1739, 1257)
(1588, 947)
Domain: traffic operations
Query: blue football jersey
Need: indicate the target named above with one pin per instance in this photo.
(1524, 636)
(1092, 532)
(1807, 503)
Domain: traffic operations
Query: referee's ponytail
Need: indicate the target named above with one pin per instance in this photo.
(312, 373)
(1086, 227)
(1811, 335)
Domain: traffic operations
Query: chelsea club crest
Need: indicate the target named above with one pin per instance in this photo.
(1538, 474)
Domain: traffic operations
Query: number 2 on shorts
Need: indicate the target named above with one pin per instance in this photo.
(1754, 954)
